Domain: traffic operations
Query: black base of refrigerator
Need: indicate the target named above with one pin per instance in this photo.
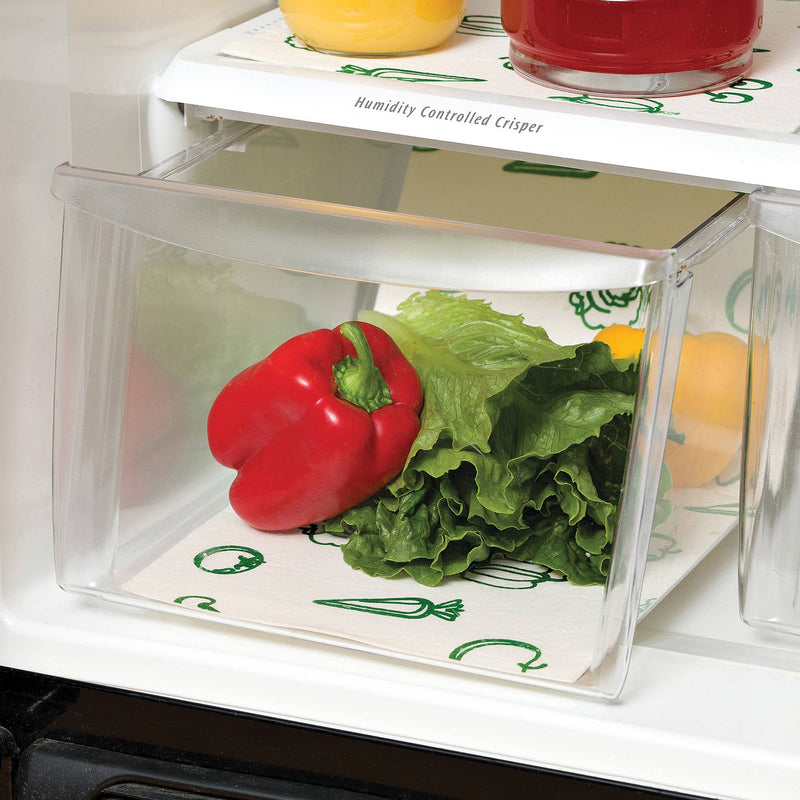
(62, 740)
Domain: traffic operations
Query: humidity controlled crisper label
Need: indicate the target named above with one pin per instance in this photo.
(456, 115)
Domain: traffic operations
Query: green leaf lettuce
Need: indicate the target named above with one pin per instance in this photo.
(521, 451)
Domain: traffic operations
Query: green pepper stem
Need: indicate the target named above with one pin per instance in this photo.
(358, 379)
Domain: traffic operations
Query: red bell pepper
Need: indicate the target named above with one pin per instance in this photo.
(318, 426)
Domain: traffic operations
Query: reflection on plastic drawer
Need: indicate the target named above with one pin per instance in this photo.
(769, 564)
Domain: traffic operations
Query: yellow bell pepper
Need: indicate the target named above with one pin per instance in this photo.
(708, 406)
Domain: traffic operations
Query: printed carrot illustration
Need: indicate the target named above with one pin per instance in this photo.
(406, 607)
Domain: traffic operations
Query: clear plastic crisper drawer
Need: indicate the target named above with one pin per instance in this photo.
(527, 514)
(769, 563)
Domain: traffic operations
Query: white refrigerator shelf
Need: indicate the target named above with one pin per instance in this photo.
(465, 96)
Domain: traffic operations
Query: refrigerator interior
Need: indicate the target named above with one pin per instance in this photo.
(692, 656)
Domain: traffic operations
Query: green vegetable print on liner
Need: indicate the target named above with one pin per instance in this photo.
(246, 559)
(554, 170)
(410, 75)
(643, 104)
(200, 601)
(720, 481)
(509, 574)
(462, 650)
(595, 308)
(742, 283)
(481, 25)
(661, 546)
(790, 302)
(298, 44)
(721, 509)
(743, 86)
(321, 537)
(646, 604)
(405, 607)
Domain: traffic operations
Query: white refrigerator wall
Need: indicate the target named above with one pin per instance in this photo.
(116, 52)
(35, 102)
(75, 81)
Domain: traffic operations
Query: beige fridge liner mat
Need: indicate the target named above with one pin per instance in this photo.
(507, 616)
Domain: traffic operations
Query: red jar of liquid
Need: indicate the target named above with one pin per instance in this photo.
(632, 47)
